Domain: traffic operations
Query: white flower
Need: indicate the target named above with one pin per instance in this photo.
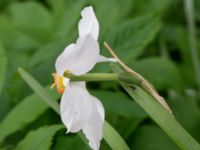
(80, 110)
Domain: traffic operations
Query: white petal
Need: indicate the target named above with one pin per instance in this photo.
(88, 24)
(99, 107)
(93, 130)
(64, 59)
(105, 59)
(79, 58)
(87, 52)
(76, 107)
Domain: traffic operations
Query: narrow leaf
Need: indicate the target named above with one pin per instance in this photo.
(39, 90)
(164, 119)
(112, 137)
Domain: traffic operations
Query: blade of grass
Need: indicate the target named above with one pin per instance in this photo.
(163, 118)
(189, 12)
(110, 135)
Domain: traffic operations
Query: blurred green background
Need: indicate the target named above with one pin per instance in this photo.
(151, 36)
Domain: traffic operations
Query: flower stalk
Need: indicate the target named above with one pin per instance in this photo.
(93, 77)
(125, 77)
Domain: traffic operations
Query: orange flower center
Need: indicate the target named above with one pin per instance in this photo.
(58, 82)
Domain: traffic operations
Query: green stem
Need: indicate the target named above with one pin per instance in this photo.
(189, 10)
(125, 77)
(93, 77)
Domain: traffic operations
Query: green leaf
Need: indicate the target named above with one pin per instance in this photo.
(162, 73)
(65, 17)
(131, 37)
(23, 114)
(52, 49)
(111, 136)
(3, 65)
(114, 17)
(32, 18)
(40, 139)
(144, 7)
(9, 34)
(162, 117)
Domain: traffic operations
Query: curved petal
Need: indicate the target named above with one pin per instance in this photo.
(93, 130)
(105, 59)
(85, 55)
(99, 107)
(88, 24)
(76, 107)
(64, 59)
(79, 58)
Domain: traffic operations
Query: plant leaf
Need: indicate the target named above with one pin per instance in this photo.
(131, 37)
(32, 18)
(23, 114)
(40, 139)
(112, 137)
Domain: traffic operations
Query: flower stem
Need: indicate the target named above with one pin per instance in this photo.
(189, 10)
(94, 77)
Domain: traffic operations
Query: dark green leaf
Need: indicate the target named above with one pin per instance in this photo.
(130, 38)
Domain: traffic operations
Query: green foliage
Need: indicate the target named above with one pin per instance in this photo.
(149, 35)
(40, 139)
(153, 137)
(164, 76)
(178, 102)
(115, 102)
(2, 67)
(39, 20)
(113, 138)
(28, 110)
(63, 142)
(160, 115)
(130, 38)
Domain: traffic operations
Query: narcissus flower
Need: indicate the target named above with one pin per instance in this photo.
(79, 109)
